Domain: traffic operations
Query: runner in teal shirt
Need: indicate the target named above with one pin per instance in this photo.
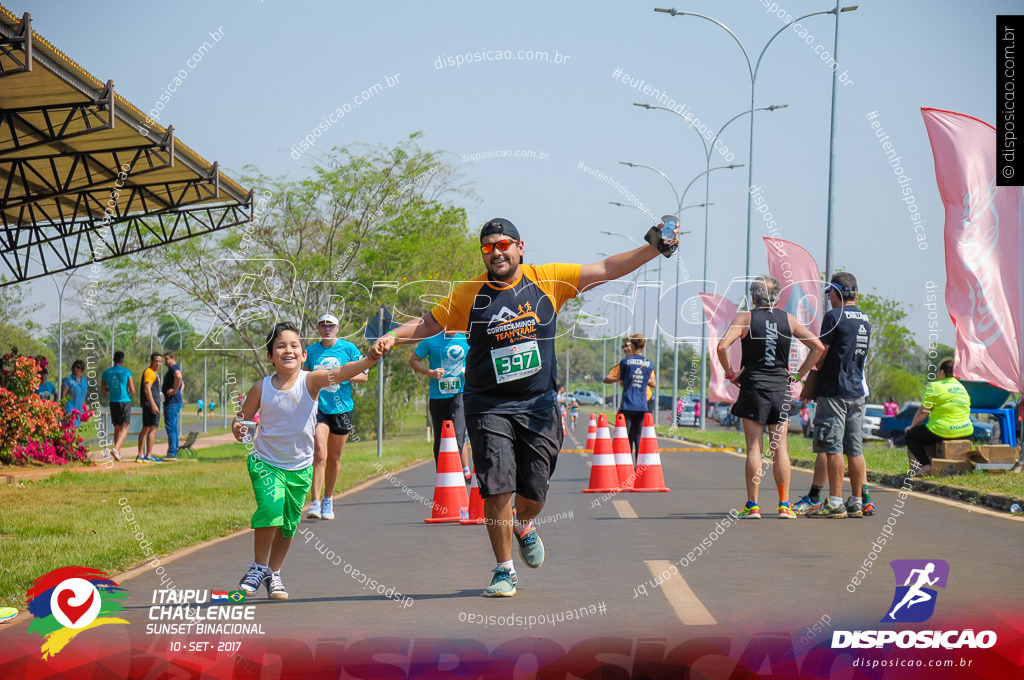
(446, 353)
(334, 414)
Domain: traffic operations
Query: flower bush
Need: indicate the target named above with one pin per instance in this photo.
(34, 430)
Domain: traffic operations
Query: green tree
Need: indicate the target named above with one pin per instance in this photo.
(890, 367)
(369, 226)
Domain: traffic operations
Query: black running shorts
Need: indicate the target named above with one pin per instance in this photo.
(768, 407)
(120, 412)
(337, 423)
(515, 451)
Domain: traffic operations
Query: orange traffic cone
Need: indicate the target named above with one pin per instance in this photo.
(603, 476)
(623, 454)
(591, 433)
(649, 476)
(450, 498)
(476, 503)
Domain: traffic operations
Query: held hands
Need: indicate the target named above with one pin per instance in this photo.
(382, 346)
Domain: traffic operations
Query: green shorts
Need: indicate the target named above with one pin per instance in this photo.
(280, 495)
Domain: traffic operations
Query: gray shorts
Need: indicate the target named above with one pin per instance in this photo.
(838, 425)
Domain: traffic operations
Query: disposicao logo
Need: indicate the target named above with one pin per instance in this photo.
(70, 600)
(913, 602)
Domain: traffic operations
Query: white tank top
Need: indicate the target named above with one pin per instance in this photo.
(287, 425)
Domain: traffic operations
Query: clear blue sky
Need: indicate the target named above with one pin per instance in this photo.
(280, 67)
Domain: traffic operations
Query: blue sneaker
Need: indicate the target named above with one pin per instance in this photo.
(805, 505)
(531, 548)
(503, 584)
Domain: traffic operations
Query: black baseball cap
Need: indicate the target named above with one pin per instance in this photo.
(499, 225)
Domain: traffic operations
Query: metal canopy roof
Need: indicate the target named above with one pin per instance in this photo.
(85, 176)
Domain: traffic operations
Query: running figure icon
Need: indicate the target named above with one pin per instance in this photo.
(915, 595)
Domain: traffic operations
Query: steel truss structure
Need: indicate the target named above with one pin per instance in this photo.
(85, 176)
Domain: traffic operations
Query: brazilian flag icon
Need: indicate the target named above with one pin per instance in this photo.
(237, 596)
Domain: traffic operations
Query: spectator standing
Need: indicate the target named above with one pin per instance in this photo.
(149, 400)
(174, 386)
(765, 334)
(47, 390)
(890, 408)
(839, 416)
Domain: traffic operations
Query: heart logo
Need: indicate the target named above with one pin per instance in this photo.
(73, 612)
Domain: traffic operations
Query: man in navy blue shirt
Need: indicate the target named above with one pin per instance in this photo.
(174, 385)
(839, 416)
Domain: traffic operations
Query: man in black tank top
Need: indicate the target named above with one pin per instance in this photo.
(766, 334)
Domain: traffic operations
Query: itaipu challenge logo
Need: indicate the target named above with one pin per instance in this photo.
(70, 600)
(914, 601)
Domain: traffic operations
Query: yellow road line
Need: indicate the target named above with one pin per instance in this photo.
(685, 604)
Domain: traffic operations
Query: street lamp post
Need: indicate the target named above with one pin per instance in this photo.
(752, 72)
(707, 186)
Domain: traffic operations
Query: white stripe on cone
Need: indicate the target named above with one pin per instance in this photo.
(450, 479)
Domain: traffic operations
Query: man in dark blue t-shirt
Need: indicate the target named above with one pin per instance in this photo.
(174, 385)
(839, 416)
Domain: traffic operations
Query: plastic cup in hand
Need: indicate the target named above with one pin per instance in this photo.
(249, 430)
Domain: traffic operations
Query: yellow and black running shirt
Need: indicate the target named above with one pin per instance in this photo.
(511, 365)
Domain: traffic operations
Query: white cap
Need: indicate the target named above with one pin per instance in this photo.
(327, 317)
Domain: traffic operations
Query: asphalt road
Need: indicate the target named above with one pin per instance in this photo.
(759, 576)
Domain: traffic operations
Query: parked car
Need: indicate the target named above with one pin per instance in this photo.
(892, 427)
(585, 397)
(873, 419)
(687, 416)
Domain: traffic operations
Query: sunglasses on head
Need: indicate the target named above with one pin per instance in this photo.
(502, 245)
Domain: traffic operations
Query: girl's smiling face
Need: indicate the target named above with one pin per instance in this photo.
(287, 353)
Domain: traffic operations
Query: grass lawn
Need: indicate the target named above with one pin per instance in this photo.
(77, 518)
(877, 454)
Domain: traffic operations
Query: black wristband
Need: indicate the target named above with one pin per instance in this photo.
(653, 237)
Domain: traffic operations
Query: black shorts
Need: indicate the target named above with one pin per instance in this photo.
(120, 412)
(337, 423)
(149, 419)
(768, 407)
(515, 451)
(447, 409)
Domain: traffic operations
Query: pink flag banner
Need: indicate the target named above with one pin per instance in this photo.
(984, 249)
(720, 312)
(798, 272)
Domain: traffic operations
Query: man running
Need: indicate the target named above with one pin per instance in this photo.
(511, 411)
(334, 413)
